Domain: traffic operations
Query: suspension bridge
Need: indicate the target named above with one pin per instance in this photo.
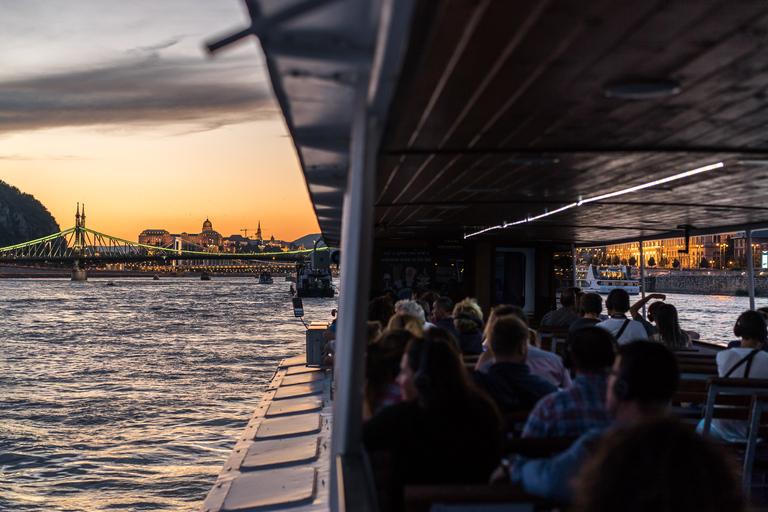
(84, 248)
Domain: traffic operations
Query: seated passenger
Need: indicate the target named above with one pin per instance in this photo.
(413, 308)
(658, 465)
(382, 364)
(634, 312)
(573, 411)
(547, 365)
(442, 309)
(444, 430)
(468, 320)
(509, 380)
(746, 361)
(622, 328)
(590, 307)
(670, 333)
(381, 309)
(641, 384)
(566, 315)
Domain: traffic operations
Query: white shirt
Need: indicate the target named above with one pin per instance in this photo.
(634, 330)
(727, 359)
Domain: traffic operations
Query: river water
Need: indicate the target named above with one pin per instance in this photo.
(130, 397)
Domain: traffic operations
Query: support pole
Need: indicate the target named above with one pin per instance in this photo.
(357, 242)
(750, 270)
(642, 276)
(573, 258)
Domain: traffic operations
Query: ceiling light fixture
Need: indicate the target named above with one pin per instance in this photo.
(603, 196)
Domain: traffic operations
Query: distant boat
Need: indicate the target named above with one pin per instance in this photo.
(110, 283)
(313, 282)
(606, 279)
(205, 276)
(156, 278)
(292, 279)
(265, 278)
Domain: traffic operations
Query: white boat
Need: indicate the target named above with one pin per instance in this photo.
(602, 279)
(265, 278)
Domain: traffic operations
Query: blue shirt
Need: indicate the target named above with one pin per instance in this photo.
(570, 412)
(551, 478)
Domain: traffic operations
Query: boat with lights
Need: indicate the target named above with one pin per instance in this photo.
(265, 278)
(605, 279)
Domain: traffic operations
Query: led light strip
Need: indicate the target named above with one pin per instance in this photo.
(604, 196)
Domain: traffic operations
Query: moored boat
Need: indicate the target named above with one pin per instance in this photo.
(265, 278)
(604, 279)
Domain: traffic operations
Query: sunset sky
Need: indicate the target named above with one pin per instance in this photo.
(117, 105)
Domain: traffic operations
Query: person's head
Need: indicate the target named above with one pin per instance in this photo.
(430, 296)
(590, 350)
(568, 298)
(751, 327)
(407, 322)
(411, 307)
(657, 465)
(467, 316)
(669, 328)
(642, 381)
(383, 357)
(442, 307)
(617, 301)
(591, 304)
(381, 309)
(653, 308)
(508, 337)
(431, 370)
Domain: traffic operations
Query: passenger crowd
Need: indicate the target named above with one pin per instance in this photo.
(447, 388)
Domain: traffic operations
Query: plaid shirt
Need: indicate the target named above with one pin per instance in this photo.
(572, 411)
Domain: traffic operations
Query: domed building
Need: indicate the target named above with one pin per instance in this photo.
(208, 237)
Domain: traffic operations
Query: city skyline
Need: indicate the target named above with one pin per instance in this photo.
(117, 106)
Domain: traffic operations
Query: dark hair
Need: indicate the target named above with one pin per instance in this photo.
(445, 303)
(657, 465)
(439, 373)
(591, 303)
(652, 309)
(669, 329)
(382, 362)
(590, 349)
(568, 298)
(648, 373)
(751, 325)
(431, 297)
(507, 335)
(381, 309)
(617, 300)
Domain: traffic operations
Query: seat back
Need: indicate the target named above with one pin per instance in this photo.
(734, 394)
(550, 337)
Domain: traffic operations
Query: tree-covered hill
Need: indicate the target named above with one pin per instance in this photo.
(22, 217)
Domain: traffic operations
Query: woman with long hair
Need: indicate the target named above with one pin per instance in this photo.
(382, 366)
(670, 333)
(444, 430)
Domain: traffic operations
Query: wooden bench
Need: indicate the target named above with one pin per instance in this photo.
(421, 498)
(730, 399)
(552, 338)
(758, 429)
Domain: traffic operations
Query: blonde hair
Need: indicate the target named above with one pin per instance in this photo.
(407, 322)
(470, 307)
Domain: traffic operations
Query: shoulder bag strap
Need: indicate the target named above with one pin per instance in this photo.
(746, 359)
(621, 331)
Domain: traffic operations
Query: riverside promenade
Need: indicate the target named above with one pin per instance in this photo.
(713, 283)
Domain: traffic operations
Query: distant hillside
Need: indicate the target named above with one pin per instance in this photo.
(22, 217)
(309, 240)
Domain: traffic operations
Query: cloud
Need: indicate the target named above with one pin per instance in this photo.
(142, 90)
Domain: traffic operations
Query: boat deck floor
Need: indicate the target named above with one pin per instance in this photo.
(282, 459)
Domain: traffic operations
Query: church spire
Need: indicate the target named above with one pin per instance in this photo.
(258, 232)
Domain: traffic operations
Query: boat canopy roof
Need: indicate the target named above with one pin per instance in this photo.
(587, 123)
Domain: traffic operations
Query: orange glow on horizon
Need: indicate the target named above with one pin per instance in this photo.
(236, 176)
